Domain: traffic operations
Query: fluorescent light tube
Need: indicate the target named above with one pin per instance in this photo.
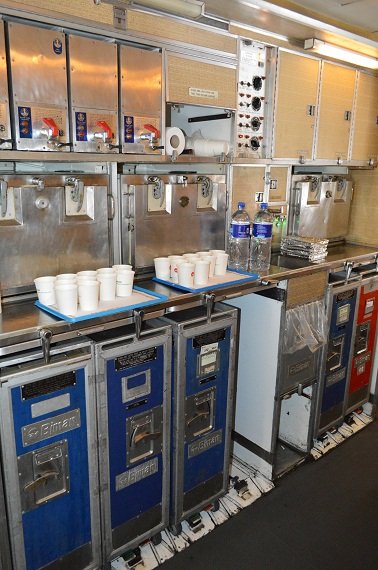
(343, 54)
(185, 8)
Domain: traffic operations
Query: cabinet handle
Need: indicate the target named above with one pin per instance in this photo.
(347, 115)
(311, 110)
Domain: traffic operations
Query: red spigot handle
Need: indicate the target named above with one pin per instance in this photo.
(153, 130)
(52, 125)
(108, 130)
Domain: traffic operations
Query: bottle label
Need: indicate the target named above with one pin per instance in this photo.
(240, 230)
(262, 230)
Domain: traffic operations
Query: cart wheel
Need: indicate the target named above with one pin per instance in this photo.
(215, 506)
(156, 539)
(176, 529)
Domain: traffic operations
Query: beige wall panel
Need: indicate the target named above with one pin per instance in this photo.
(278, 194)
(184, 73)
(365, 138)
(297, 89)
(80, 8)
(166, 28)
(363, 222)
(306, 289)
(337, 93)
(245, 183)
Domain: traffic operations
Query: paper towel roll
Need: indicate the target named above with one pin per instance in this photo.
(174, 140)
(207, 147)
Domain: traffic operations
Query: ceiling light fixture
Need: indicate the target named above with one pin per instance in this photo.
(343, 54)
(185, 8)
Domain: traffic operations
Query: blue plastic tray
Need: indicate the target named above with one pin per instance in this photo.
(232, 277)
(139, 298)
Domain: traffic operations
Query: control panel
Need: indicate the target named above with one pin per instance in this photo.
(251, 100)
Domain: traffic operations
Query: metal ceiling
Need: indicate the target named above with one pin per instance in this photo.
(348, 23)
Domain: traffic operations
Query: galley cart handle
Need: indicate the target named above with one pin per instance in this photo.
(153, 130)
(138, 319)
(52, 125)
(197, 417)
(209, 299)
(144, 436)
(42, 480)
(107, 128)
(46, 336)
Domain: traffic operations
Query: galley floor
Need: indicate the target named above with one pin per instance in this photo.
(321, 516)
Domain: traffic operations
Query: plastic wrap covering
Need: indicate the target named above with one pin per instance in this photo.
(305, 326)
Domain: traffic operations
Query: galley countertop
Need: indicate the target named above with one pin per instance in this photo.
(21, 322)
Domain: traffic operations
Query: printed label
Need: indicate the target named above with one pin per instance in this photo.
(50, 427)
(262, 230)
(299, 367)
(25, 122)
(207, 93)
(81, 126)
(240, 230)
(137, 474)
(207, 442)
(129, 133)
(3, 119)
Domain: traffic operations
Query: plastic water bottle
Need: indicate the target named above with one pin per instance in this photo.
(238, 243)
(261, 240)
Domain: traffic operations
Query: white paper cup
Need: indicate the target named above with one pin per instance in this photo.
(201, 272)
(66, 298)
(88, 295)
(202, 253)
(45, 289)
(216, 251)
(174, 268)
(189, 254)
(66, 277)
(221, 263)
(162, 266)
(121, 267)
(211, 259)
(124, 289)
(125, 277)
(192, 258)
(84, 278)
(186, 274)
(88, 273)
(107, 286)
(105, 271)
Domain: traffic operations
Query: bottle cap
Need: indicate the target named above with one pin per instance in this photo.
(241, 204)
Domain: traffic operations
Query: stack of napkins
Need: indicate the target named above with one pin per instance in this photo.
(311, 248)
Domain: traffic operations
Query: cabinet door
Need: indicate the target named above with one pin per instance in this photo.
(295, 106)
(365, 135)
(198, 83)
(335, 112)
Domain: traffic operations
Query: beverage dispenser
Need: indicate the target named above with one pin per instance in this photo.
(5, 127)
(141, 100)
(51, 224)
(202, 400)
(94, 94)
(170, 213)
(133, 387)
(39, 88)
(364, 344)
(49, 450)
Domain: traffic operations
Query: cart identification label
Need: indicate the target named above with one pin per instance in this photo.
(50, 427)
(137, 474)
(205, 443)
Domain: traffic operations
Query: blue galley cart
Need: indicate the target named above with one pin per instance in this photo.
(203, 403)
(341, 306)
(49, 451)
(133, 389)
